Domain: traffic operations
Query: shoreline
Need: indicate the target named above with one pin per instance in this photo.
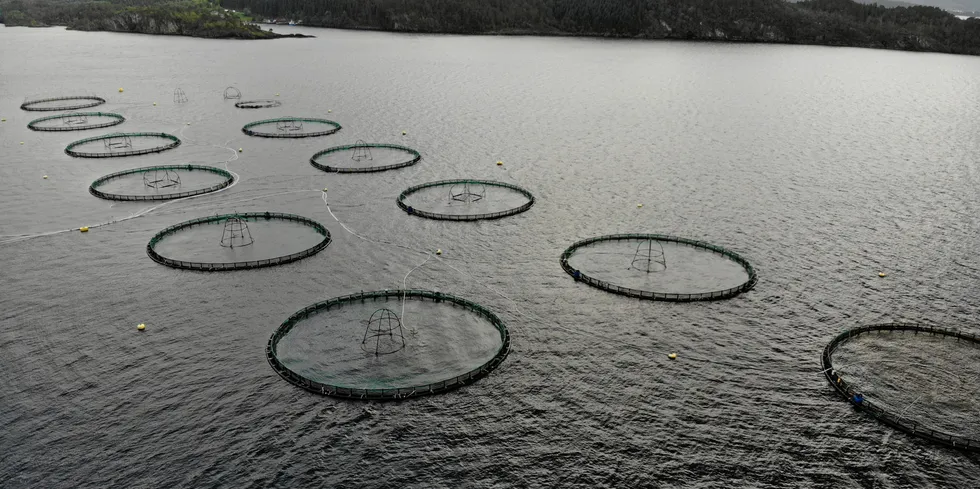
(558, 34)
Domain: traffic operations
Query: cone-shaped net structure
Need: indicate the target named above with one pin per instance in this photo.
(384, 333)
(74, 119)
(467, 193)
(181, 98)
(232, 93)
(361, 151)
(117, 142)
(289, 126)
(649, 257)
(236, 233)
(161, 178)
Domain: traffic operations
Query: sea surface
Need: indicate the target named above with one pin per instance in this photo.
(821, 166)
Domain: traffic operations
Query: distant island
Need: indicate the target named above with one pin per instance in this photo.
(821, 22)
(196, 18)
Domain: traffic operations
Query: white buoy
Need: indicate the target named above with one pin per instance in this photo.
(154, 104)
(324, 189)
(239, 150)
(45, 177)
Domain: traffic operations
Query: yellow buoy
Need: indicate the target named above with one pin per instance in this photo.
(500, 163)
(120, 90)
(45, 177)
(438, 252)
(277, 94)
(404, 133)
(672, 356)
(329, 111)
(639, 205)
(882, 274)
(188, 123)
(21, 142)
(324, 189)
(83, 229)
(154, 104)
(239, 150)
(141, 326)
(3, 120)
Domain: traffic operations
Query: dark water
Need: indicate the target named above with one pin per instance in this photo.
(821, 166)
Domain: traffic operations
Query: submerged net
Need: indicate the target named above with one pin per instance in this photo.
(291, 127)
(922, 380)
(659, 267)
(62, 103)
(238, 241)
(76, 121)
(257, 104)
(122, 144)
(160, 182)
(390, 344)
(465, 200)
(364, 157)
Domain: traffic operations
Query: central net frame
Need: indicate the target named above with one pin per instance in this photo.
(580, 276)
(94, 187)
(394, 393)
(289, 125)
(69, 125)
(179, 96)
(120, 138)
(851, 393)
(379, 326)
(79, 102)
(232, 93)
(242, 265)
(236, 233)
(465, 183)
(413, 158)
(158, 178)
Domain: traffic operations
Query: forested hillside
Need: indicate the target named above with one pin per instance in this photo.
(199, 18)
(829, 22)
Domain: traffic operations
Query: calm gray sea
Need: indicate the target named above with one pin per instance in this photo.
(822, 166)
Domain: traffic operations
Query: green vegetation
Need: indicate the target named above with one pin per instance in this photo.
(826, 22)
(198, 18)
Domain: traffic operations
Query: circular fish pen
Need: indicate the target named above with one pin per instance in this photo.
(291, 127)
(659, 267)
(122, 144)
(62, 103)
(258, 104)
(465, 200)
(76, 121)
(238, 241)
(362, 157)
(388, 345)
(887, 381)
(160, 183)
